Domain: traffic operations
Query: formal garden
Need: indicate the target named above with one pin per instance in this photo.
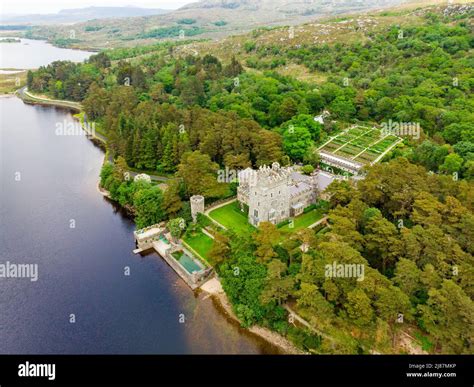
(361, 144)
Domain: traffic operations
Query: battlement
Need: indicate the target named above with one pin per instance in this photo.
(269, 176)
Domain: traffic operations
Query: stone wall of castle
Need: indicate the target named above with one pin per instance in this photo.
(272, 195)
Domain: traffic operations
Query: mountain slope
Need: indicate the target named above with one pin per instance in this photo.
(202, 20)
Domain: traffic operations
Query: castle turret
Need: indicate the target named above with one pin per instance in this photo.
(197, 206)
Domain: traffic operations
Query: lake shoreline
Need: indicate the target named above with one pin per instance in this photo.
(31, 54)
(157, 300)
(94, 50)
(273, 338)
(29, 98)
(223, 305)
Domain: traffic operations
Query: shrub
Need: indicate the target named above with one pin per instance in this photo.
(310, 208)
(307, 169)
(186, 21)
(177, 227)
(220, 23)
(249, 46)
(203, 220)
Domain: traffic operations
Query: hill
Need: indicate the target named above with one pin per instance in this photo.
(206, 19)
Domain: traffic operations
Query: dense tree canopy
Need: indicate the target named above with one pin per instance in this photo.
(409, 223)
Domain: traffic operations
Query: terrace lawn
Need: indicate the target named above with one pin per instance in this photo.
(302, 221)
(199, 242)
(232, 218)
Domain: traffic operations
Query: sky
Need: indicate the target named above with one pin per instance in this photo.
(24, 7)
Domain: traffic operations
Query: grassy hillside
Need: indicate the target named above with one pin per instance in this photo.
(11, 81)
(263, 46)
(207, 19)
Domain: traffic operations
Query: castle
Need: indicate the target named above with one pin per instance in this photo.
(274, 194)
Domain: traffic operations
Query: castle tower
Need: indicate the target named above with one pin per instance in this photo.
(197, 206)
(268, 198)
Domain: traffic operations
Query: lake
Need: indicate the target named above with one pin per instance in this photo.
(31, 54)
(52, 215)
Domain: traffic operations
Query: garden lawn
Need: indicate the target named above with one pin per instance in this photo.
(232, 218)
(199, 242)
(303, 221)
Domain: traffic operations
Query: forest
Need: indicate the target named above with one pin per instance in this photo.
(410, 222)
(416, 245)
(424, 77)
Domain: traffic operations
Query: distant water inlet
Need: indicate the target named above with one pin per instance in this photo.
(31, 54)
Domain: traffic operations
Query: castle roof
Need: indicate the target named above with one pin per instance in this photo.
(297, 189)
(323, 179)
(298, 177)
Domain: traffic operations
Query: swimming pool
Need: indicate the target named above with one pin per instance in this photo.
(164, 239)
(187, 262)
